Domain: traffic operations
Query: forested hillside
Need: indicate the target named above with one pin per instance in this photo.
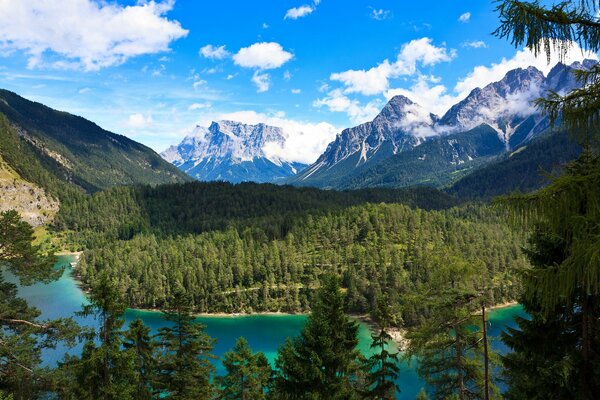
(76, 150)
(524, 170)
(251, 247)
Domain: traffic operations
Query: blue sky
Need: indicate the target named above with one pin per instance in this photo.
(153, 70)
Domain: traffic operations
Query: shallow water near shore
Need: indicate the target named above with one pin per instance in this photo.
(265, 333)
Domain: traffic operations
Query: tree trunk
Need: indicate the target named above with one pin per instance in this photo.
(485, 354)
(459, 371)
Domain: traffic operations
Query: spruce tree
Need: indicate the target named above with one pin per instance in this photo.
(447, 343)
(562, 290)
(382, 366)
(323, 362)
(103, 371)
(138, 341)
(184, 366)
(248, 375)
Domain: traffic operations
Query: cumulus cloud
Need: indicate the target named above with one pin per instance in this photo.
(264, 55)
(482, 75)
(475, 44)
(299, 12)
(358, 113)
(464, 18)
(262, 81)
(305, 141)
(214, 52)
(376, 79)
(139, 120)
(85, 34)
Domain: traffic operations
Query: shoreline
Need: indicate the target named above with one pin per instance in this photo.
(398, 334)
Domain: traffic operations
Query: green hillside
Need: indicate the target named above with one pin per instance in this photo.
(78, 151)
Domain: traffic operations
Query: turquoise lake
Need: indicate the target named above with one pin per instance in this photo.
(265, 333)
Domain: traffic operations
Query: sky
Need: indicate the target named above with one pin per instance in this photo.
(153, 70)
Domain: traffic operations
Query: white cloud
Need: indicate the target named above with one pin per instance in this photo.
(482, 75)
(265, 25)
(262, 81)
(305, 141)
(380, 14)
(376, 79)
(337, 101)
(198, 106)
(139, 121)
(85, 34)
(475, 44)
(198, 84)
(464, 18)
(84, 90)
(264, 55)
(287, 75)
(299, 12)
(296, 91)
(214, 52)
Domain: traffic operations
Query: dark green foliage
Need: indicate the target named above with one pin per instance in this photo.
(448, 343)
(138, 341)
(78, 151)
(103, 371)
(523, 170)
(184, 363)
(323, 362)
(556, 352)
(382, 367)
(375, 249)
(22, 335)
(248, 375)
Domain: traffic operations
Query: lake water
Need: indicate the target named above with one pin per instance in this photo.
(264, 333)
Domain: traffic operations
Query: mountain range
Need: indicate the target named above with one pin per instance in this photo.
(234, 152)
(407, 145)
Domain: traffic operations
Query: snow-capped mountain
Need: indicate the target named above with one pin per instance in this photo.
(232, 151)
(504, 106)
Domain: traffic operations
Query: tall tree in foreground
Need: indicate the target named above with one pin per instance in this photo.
(184, 365)
(103, 371)
(382, 366)
(22, 335)
(447, 343)
(248, 375)
(557, 352)
(138, 341)
(323, 362)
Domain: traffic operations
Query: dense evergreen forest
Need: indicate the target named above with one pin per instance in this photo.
(250, 247)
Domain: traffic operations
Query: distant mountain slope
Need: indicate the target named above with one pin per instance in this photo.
(78, 151)
(405, 145)
(522, 170)
(233, 152)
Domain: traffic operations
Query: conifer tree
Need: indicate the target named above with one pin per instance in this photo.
(323, 362)
(382, 366)
(447, 345)
(562, 290)
(103, 371)
(248, 375)
(138, 341)
(22, 335)
(184, 366)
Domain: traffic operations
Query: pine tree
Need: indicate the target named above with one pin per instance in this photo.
(382, 366)
(103, 371)
(248, 375)
(447, 345)
(562, 290)
(323, 362)
(137, 340)
(22, 335)
(184, 368)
